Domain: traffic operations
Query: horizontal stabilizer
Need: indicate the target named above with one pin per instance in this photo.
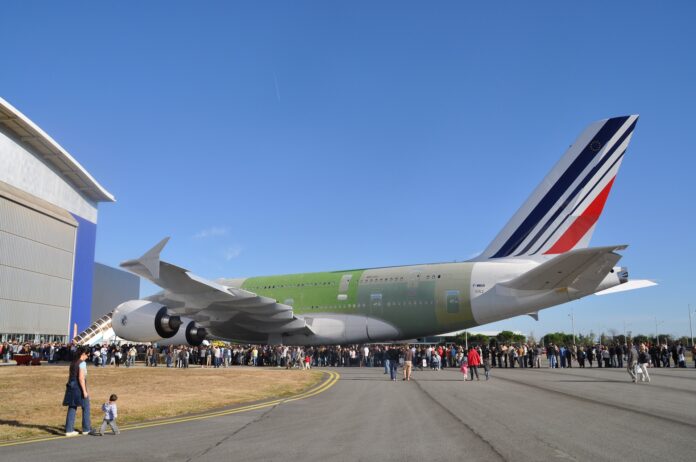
(630, 285)
(580, 269)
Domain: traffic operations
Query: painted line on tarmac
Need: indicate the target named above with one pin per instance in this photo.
(322, 387)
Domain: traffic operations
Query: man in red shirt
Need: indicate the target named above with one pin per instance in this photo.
(474, 363)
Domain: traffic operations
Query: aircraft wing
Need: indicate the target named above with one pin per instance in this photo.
(210, 303)
(581, 270)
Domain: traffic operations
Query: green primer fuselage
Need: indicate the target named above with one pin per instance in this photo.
(418, 300)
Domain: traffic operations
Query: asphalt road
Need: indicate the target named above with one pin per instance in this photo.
(518, 415)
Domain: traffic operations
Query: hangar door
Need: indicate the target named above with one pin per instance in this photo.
(37, 245)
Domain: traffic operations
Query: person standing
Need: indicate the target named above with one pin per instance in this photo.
(551, 356)
(117, 356)
(76, 394)
(385, 359)
(464, 367)
(132, 353)
(643, 360)
(474, 362)
(681, 352)
(675, 355)
(581, 356)
(631, 361)
(218, 356)
(486, 355)
(612, 355)
(393, 354)
(408, 363)
(537, 356)
(254, 356)
(110, 413)
(664, 355)
(569, 356)
(96, 357)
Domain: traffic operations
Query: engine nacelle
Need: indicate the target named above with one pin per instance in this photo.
(618, 275)
(144, 321)
(192, 335)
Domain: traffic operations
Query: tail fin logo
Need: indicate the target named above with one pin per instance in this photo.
(561, 213)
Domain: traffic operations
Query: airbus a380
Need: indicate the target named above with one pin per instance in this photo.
(540, 259)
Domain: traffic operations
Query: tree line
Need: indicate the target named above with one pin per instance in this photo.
(564, 338)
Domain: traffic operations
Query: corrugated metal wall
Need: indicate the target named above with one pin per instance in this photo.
(36, 269)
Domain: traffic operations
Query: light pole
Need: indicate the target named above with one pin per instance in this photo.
(657, 339)
(691, 328)
(572, 323)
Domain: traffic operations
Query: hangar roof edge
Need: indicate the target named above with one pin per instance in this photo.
(52, 152)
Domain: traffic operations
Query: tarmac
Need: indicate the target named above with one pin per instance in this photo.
(517, 415)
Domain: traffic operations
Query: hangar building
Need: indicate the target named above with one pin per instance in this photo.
(112, 287)
(48, 227)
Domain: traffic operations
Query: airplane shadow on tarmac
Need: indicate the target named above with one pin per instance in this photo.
(399, 379)
(46, 428)
(592, 381)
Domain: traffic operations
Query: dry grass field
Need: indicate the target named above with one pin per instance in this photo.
(31, 397)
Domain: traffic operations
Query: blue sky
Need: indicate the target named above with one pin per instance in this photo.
(308, 136)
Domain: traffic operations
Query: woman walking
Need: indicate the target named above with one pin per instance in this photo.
(76, 394)
(643, 360)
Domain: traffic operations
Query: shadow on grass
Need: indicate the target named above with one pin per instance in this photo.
(48, 429)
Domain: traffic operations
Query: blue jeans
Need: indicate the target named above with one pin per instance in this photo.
(86, 422)
(552, 361)
(386, 366)
(393, 370)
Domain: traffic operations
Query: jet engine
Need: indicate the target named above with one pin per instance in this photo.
(617, 276)
(191, 334)
(146, 321)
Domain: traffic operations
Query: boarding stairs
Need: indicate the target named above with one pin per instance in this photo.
(99, 333)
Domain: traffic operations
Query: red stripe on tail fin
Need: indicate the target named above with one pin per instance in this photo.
(582, 224)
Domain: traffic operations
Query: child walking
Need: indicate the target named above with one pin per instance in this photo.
(464, 368)
(110, 414)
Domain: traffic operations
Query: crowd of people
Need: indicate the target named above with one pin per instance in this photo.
(435, 357)
(562, 356)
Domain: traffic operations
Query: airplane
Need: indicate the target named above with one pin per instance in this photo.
(540, 259)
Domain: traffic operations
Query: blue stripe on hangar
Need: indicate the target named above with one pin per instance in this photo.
(83, 275)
